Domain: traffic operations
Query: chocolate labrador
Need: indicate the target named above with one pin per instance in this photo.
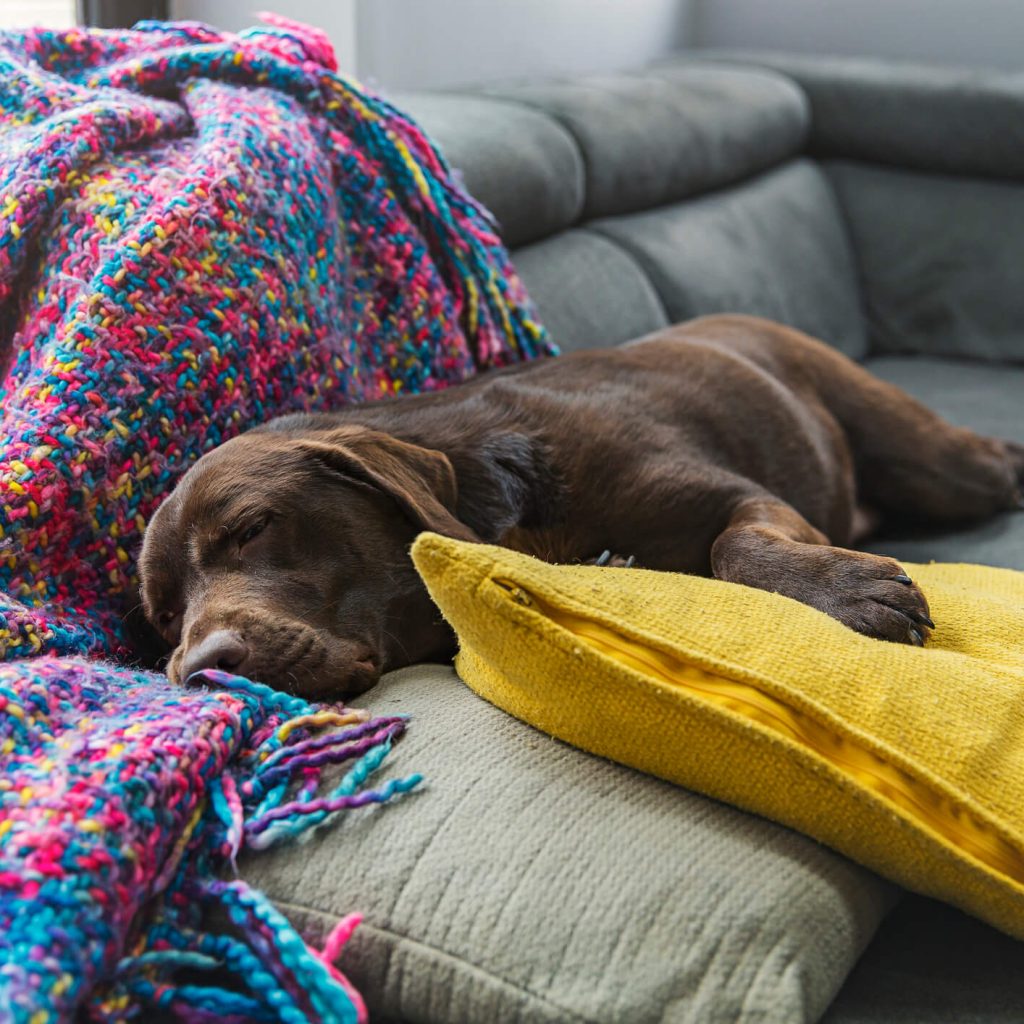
(729, 446)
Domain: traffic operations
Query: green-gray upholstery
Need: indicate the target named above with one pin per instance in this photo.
(938, 120)
(529, 881)
(879, 206)
(982, 396)
(663, 135)
(589, 290)
(523, 165)
(988, 398)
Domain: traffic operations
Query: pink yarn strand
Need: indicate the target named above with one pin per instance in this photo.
(333, 946)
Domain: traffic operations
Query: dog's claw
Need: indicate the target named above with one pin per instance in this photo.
(920, 617)
(916, 638)
(904, 579)
(609, 560)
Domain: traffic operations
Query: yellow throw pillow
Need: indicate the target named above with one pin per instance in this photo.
(909, 760)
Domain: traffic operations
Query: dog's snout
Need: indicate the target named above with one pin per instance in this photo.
(223, 649)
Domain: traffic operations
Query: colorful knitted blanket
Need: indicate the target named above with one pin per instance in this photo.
(198, 231)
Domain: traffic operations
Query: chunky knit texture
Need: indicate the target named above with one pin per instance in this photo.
(120, 795)
(198, 231)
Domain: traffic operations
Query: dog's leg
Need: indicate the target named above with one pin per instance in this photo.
(769, 545)
(911, 464)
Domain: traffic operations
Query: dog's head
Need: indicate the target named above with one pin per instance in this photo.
(284, 557)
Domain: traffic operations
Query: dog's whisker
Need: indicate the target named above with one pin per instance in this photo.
(398, 641)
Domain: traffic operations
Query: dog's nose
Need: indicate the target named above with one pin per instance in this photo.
(223, 648)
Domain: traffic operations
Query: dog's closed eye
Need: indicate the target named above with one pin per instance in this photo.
(251, 533)
(169, 625)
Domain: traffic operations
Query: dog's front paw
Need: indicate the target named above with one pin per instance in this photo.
(872, 595)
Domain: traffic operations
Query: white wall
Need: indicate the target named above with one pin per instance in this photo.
(412, 44)
(405, 44)
(26, 13)
(969, 32)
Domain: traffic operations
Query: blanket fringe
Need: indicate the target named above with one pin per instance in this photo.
(244, 960)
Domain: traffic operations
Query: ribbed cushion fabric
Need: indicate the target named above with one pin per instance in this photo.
(530, 882)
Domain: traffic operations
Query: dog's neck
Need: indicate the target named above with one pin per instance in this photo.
(506, 476)
(506, 480)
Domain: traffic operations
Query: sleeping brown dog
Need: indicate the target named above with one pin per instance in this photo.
(729, 446)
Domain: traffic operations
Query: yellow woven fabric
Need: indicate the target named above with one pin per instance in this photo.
(909, 760)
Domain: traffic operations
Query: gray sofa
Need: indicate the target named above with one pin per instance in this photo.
(877, 206)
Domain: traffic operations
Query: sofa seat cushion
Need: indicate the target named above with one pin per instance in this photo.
(528, 881)
(519, 162)
(661, 135)
(939, 260)
(927, 117)
(590, 292)
(774, 246)
(989, 399)
(932, 964)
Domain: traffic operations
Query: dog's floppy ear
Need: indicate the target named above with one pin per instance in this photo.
(420, 480)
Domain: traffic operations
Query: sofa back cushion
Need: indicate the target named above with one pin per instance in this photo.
(523, 165)
(664, 134)
(774, 246)
(940, 260)
(590, 292)
(689, 173)
(640, 199)
(930, 118)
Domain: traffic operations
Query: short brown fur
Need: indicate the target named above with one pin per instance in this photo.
(727, 446)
